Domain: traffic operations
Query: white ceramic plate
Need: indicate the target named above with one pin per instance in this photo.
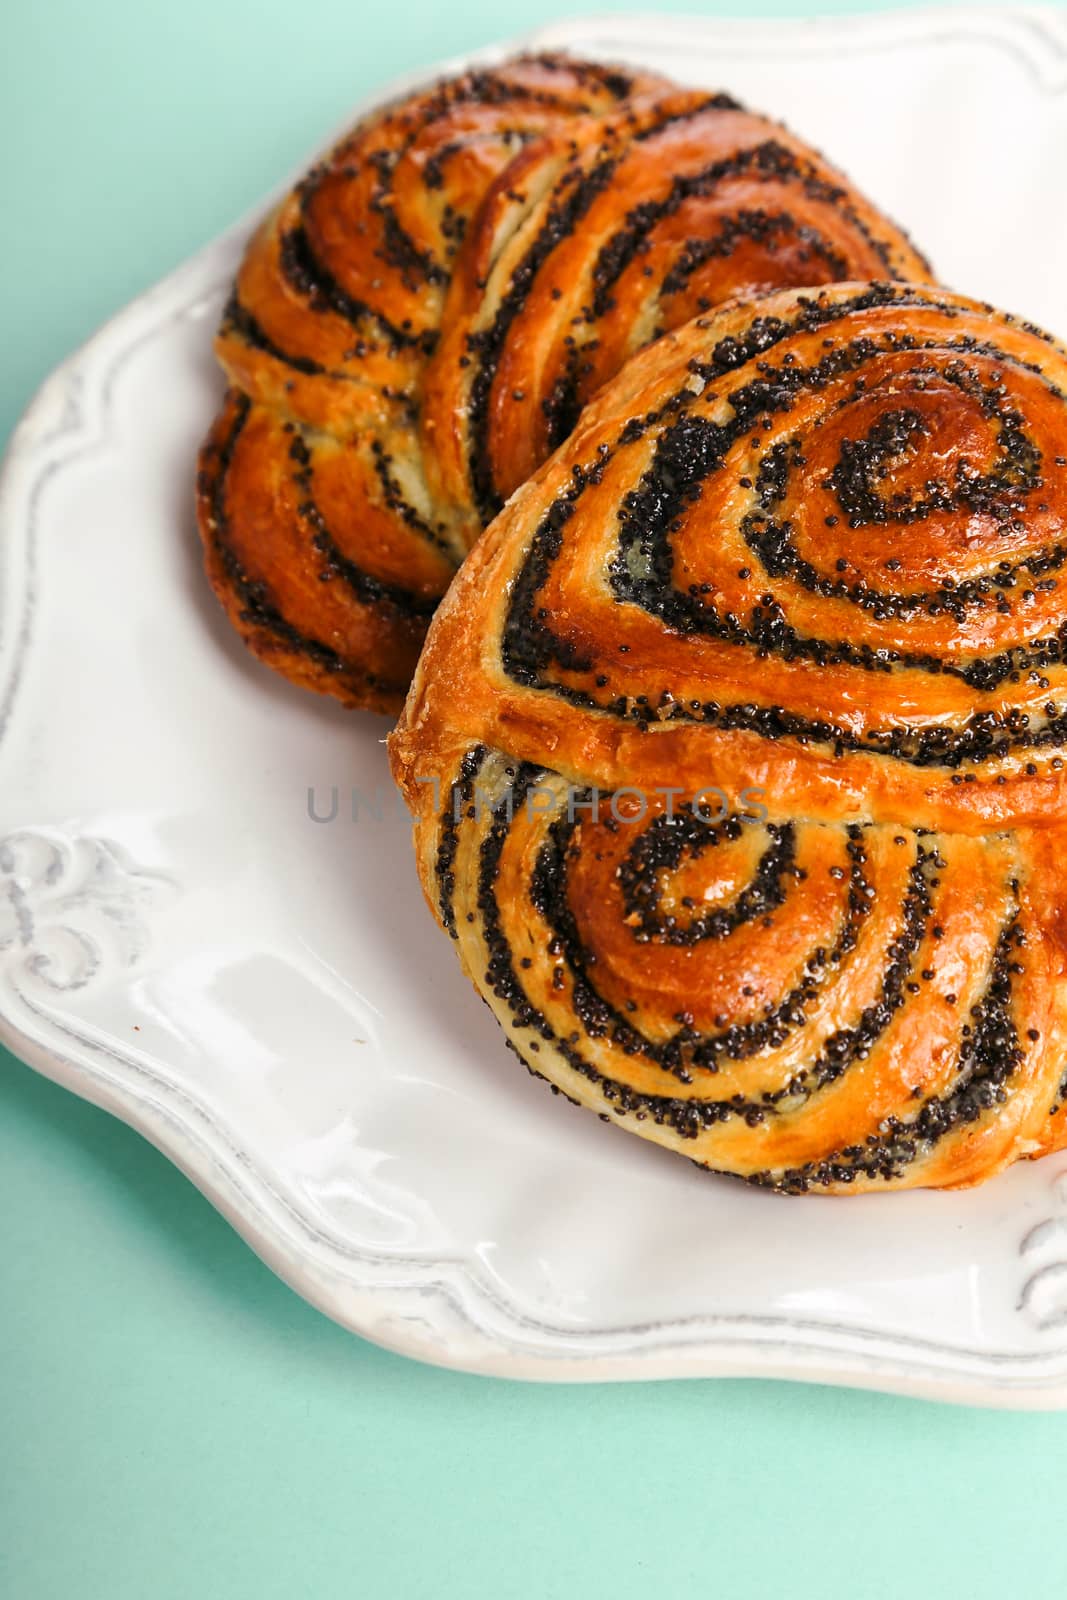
(265, 996)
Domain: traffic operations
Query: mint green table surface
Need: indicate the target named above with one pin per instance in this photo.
(174, 1422)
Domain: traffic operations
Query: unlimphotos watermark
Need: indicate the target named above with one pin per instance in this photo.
(628, 804)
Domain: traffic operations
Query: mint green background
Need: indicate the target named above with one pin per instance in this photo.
(174, 1422)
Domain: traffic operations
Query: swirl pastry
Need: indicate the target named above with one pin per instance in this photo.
(419, 323)
(736, 751)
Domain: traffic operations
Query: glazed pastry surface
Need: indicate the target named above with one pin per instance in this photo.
(736, 751)
(419, 323)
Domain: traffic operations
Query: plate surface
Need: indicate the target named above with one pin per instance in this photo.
(188, 938)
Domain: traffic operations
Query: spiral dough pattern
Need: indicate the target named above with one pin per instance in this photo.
(737, 749)
(420, 322)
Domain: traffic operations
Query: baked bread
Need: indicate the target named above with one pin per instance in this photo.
(419, 323)
(736, 751)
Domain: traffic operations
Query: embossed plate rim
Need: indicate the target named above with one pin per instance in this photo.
(442, 1309)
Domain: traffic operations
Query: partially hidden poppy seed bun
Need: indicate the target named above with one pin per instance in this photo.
(736, 751)
(419, 323)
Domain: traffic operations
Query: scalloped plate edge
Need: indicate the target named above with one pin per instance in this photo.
(440, 1310)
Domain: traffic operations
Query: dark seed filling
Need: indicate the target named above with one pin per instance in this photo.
(688, 1049)
(313, 280)
(459, 798)
(486, 346)
(258, 605)
(768, 162)
(394, 498)
(662, 847)
(768, 228)
(989, 1051)
(989, 1057)
(399, 250)
(1000, 493)
(309, 276)
(366, 588)
(714, 102)
(692, 448)
(478, 88)
(563, 405)
(239, 320)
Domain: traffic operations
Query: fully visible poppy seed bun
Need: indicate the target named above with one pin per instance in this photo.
(736, 751)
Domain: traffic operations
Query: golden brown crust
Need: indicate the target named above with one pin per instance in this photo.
(446, 289)
(805, 557)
